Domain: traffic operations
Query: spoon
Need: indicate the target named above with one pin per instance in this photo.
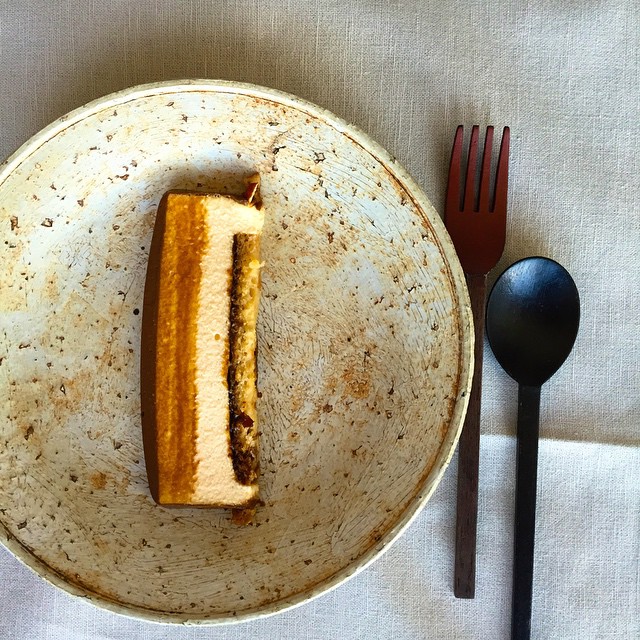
(532, 319)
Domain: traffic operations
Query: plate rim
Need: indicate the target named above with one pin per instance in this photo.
(455, 275)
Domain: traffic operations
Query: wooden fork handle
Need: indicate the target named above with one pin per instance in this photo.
(469, 456)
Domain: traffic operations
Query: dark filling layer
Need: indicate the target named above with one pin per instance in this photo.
(241, 374)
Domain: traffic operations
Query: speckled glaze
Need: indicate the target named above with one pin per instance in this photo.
(365, 352)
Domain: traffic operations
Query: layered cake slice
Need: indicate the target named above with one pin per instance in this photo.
(198, 370)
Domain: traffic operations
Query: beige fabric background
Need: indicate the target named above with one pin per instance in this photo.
(565, 75)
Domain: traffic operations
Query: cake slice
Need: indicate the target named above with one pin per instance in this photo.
(198, 369)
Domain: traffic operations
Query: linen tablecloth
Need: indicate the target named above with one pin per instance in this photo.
(565, 76)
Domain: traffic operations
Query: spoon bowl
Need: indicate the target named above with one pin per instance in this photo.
(532, 319)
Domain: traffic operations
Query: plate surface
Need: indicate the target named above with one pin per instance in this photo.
(365, 351)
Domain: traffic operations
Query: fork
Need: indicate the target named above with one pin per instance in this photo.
(477, 226)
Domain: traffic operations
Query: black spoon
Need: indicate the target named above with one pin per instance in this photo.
(532, 319)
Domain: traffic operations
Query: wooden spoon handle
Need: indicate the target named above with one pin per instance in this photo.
(469, 456)
(525, 521)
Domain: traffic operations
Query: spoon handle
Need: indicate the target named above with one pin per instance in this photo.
(464, 578)
(527, 465)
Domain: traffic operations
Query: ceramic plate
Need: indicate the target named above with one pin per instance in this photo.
(365, 351)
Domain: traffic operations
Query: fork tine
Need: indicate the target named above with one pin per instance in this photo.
(453, 186)
(502, 175)
(485, 173)
(469, 189)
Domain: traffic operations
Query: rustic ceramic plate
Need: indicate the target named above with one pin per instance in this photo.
(365, 352)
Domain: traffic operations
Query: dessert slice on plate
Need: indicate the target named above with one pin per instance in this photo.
(198, 368)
